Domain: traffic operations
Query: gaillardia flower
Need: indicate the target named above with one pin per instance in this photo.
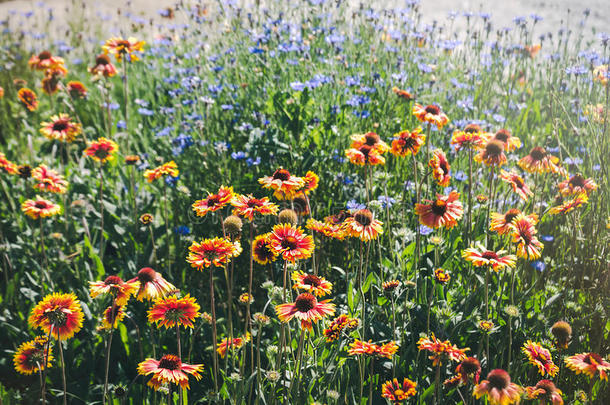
(403, 94)
(524, 235)
(40, 208)
(562, 332)
(440, 168)
(362, 225)
(120, 290)
(503, 223)
(169, 370)
(151, 285)
(44, 61)
(247, 206)
(488, 258)
(472, 137)
(76, 89)
(103, 66)
(430, 114)
(545, 392)
(61, 128)
(305, 308)
(112, 316)
(290, 242)
(28, 98)
(509, 141)
(577, 201)
(589, 364)
(102, 150)
(49, 180)
(387, 350)
(492, 154)
(369, 139)
(517, 183)
(577, 184)
(406, 143)
(365, 155)
(284, 184)
(311, 283)
(539, 161)
(262, 251)
(7, 165)
(337, 326)
(235, 344)
(58, 314)
(120, 47)
(31, 356)
(441, 349)
(540, 357)
(398, 392)
(498, 388)
(213, 202)
(445, 211)
(171, 311)
(169, 168)
(211, 252)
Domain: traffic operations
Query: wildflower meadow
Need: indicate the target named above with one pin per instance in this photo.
(302, 202)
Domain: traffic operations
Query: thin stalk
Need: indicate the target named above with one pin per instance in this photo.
(298, 364)
(417, 233)
(63, 368)
(469, 221)
(45, 271)
(487, 312)
(165, 214)
(108, 346)
(437, 379)
(214, 337)
(101, 202)
(248, 326)
(179, 356)
(126, 101)
(43, 393)
(371, 375)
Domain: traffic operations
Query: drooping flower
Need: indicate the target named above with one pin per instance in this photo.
(102, 150)
(329, 229)
(49, 180)
(235, 344)
(40, 208)
(103, 66)
(539, 161)
(284, 184)
(45, 60)
(403, 94)
(365, 155)
(517, 183)
(472, 137)
(213, 202)
(370, 139)
(440, 168)
(390, 286)
(577, 184)
(398, 392)
(169, 370)
(247, 206)
(524, 235)
(362, 225)
(151, 285)
(61, 128)
(441, 349)
(169, 168)
(311, 283)
(262, 251)
(339, 325)
(468, 370)
(120, 47)
(7, 165)
(503, 223)
(509, 141)
(387, 350)
(76, 89)
(545, 392)
(408, 142)
(498, 388)
(430, 114)
(171, 311)
(306, 308)
(492, 154)
(540, 357)
(290, 242)
(576, 202)
(59, 314)
(211, 252)
(589, 364)
(31, 356)
(28, 98)
(112, 316)
(120, 290)
(445, 211)
(487, 258)
(562, 332)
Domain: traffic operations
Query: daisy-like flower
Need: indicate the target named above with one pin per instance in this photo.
(492, 154)
(358, 347)
(539, 161)
(369, 139)
(589, 364)
(151, 285)
(337, 326)
(284, 184)
(441, 276)
(485, 326)
(403, 94)
(503, 223)
(31, 356)
(509, 141)
(169, 168)
(468, 370)
(169, 370)
(524, 235)
(445, 211)
(577, 184)
(595, 112)
(61, 128)
(480, 257)
(146, 219)
(50, 83)
(389, 286)
(76, 89)
(498, 388)
(262, 251)
(331, 230)
(40, 208)
(103, 66)
(247, 206)
(213, 202)
(362, 225)
(545, 392)
(472, 137)
(112, 316)
(600, 74)
(440, 168)
(44, 61)
(49, 180)
(408, 142)
(7, 165)
(211, 252)
(120, 48)
(311, 182)
(365, 155)
(28, 98)
(398, 392)
(235, 344)
(102, 150)
(120, 290)
(311, 283)
(290, 242)
(576, 202)
(305, 308)
(517, 183)
(430, 114)
(540, 357)
(58, 314)
(441, 349)
(562, 332)
(171, 311)
(246, 298)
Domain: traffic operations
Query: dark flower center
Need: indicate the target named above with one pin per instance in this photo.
(577, 181)
(518, 181)
(494, 148)
(300, 204)
(498, 379)
(502, 135)
(44, 55)
(547, 386)
(444, 166)
(439, 207)
(312, 280)
(490, 255)
(112, 280)
(254, 203)
(263, 251)
(60, 126)
(364, 217)
(305, 302)
(593, 358)
(40, 205)
(562, 331)
(213, 201)
(281, 174)
(146, 275)
(289, 242)
(102, 153)
(432, 109)
(170, 362)
(538, 153)
(102, 60)
(510, 215)
(472, 129)
(470, 365)
(371, 138)
(365, 150)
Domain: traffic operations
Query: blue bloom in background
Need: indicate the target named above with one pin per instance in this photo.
(386, 201)
(424, 230)
(182, 230)
(538, 265)
(353, 205)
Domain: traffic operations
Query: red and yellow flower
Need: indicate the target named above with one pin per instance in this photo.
(365, 155)
(387, 350)
(576, 201)
(498, 388)
(405, 95)
(362, 225)
(503, 223)
(441, 276)
(472, 137)
(509, 141)
(488, 258)
(44, 60)
(49, 180)
(311, 283)
(445, 211)
(370, 139)
(76, 89)
(31, 356)
(102, 150)
(61, 128)
(120, 47)
(151, 285)
(59, 315)
(492, 154)
(408, 142)
(441, 349)
(211, 252)
(440, 168)
(112, 316)
(284, 184)
(306, 308)
(247, 206)
(577, 184)
(545, 392)
(40, 208)
(398, 392)
(103, 66)
(331, 230)
(524, 235)
(540, 357)
(171, 311)
(169, 370)
(262, 251)
(120, 290)
(589, 364)
(166, 169)
(539, 161)
(28, 98)
(227, 344)
(517, 183)
(290, 242)
(430, 114)
(213, 202)
(311, 182)
(7, 165)
(337, 326)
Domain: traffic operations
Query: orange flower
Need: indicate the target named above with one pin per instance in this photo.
(406, 142)
(103, 66)
(492, 154)
(328, 229)
(310, 283)
(151, 285)
(44, 60)
(545, 392)
(102, 150)
(169, 369)
(213, 202)
(503, 223)
(112, 316)
(290, 242)
(49, 180)
(337, 326)
(59, 314)
(362, 225)
(369, 139)
(169, 168)
(211, 252)
(305, 308)
(365, 155)
(235, 344)
(247, 206)
(444, 211)
(60, 128)
(469, 369)
(76, 89)
(284, 184)
(120, 47)
(440, 168)
(441, 349)
(509, 141)
(488, 258)
(31, 356)
(387, 350)
(472, 137)
(405, 95)
(577, 184)
(539, 161)
(430, 114)
(115, 286)
(28, 98)
(540, 357)
(40, 208)
(398, 392)
(498, 388)
(576, 202)
(589, 364)
(441, 276)
(600, 74)
(517, 183)
(528, 246)
(262, 251)
(7, 165)
(171, 311)
(311, 182)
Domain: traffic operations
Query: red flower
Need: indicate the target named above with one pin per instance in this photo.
(213, 202)
(171, 311)
(169, 369)
(444, 211)
(305, 308)
(290, 242)
(440, 168)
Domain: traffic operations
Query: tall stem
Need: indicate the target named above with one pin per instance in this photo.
(109, 344)
(101, 249)
(126, 101)
(417, 233)
(63, 368)
(180, 356)
(487, 312)
(470, 184)
(248, 326)
(44, 258)
(437, 379)
(214, 338)
(43, 393)
(165, 214)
